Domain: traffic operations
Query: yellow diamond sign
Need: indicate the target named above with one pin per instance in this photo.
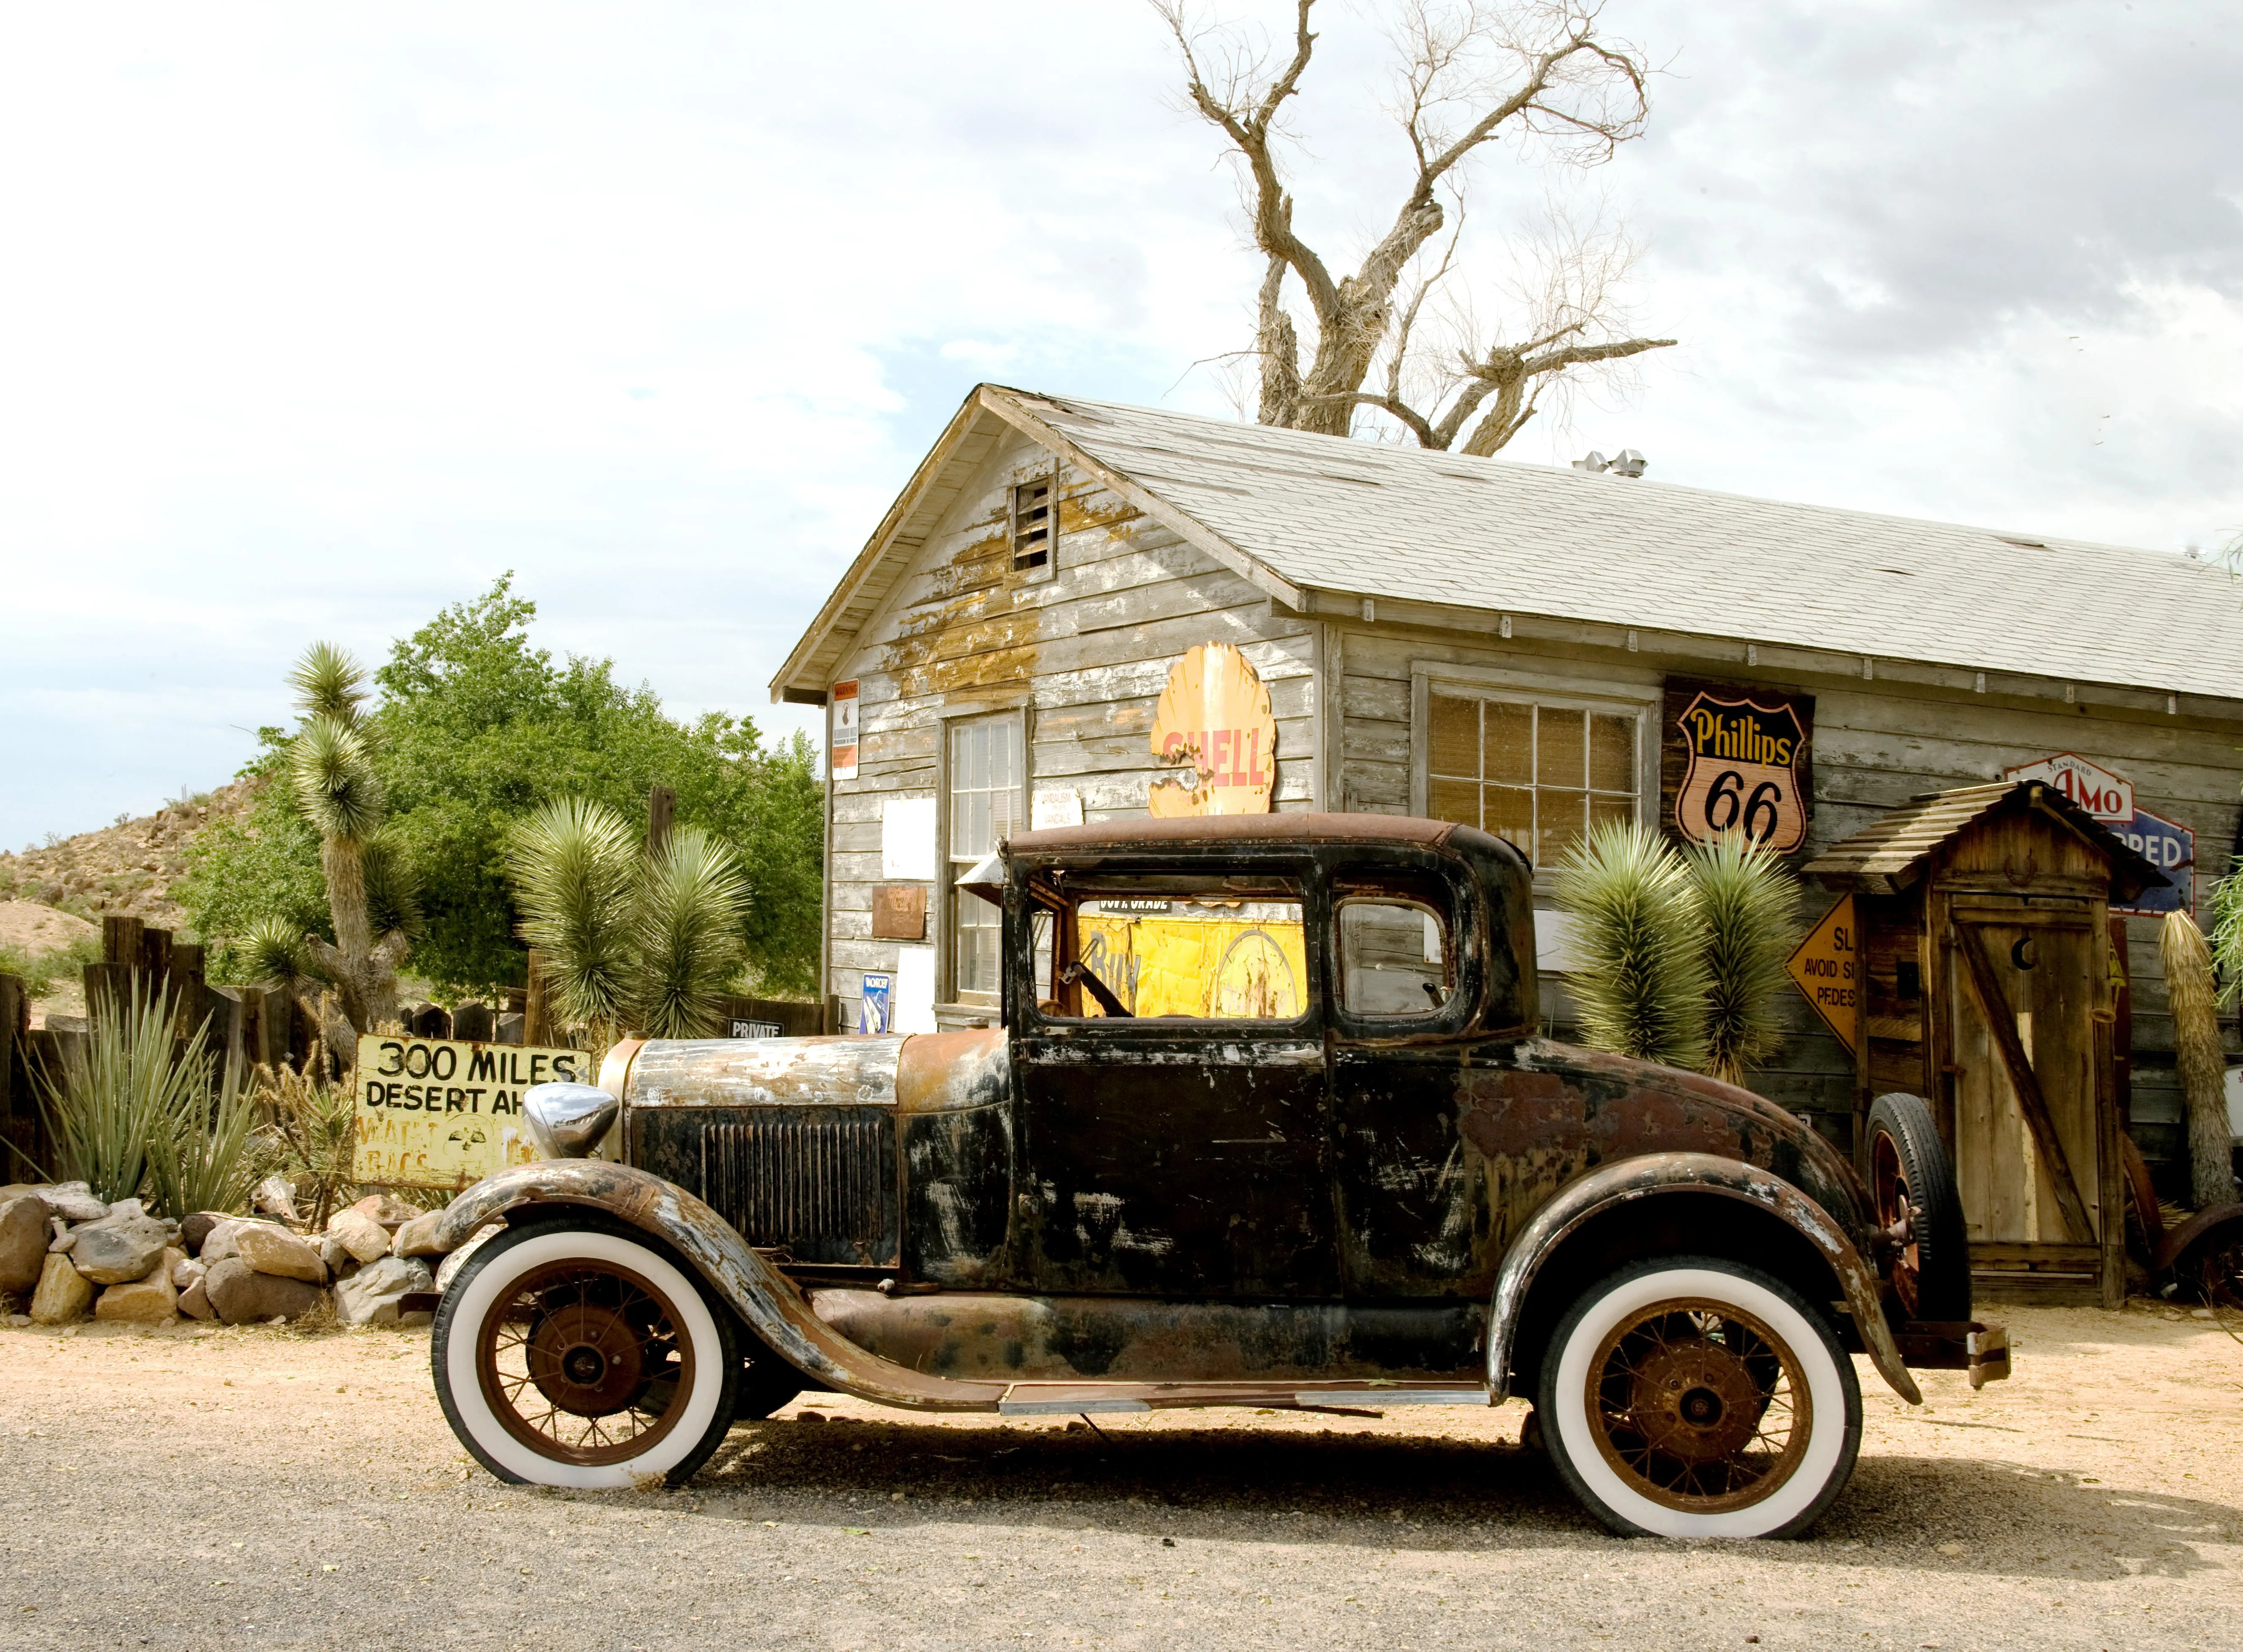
(1826, 967)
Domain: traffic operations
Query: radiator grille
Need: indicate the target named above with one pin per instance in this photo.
(812, 1184)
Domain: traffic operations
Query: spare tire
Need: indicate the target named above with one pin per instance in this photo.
(1911, 1179)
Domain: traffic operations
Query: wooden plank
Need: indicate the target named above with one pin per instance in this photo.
(1978, 973)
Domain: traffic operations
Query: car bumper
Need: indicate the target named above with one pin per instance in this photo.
(1957, 1345)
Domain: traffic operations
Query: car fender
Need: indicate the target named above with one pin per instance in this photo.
(765, 1298)
(1661, 1173)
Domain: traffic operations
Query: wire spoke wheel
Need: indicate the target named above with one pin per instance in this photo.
(581, 1360)
(1896, 1213)
(1698, 1405)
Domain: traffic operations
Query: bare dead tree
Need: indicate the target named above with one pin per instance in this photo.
(1471, 72)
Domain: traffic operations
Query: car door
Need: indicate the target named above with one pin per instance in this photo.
(1413, 1202)
(1174, 1137)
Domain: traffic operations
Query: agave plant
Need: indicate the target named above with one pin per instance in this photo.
(1641, 984)
(1747, 907)
(631, 940)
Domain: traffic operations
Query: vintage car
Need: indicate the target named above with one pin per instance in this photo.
(1264, 1119)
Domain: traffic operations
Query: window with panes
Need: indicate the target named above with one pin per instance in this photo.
(984, 777)
(1538, 774)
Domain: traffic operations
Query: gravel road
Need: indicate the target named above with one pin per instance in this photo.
(266, 1489)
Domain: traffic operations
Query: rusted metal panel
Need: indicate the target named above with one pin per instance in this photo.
(734, 1072)
(1057, 1339)
(1666, 1173)
(816, 1182)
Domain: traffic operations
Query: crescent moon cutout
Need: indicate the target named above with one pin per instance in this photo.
(2021, 953)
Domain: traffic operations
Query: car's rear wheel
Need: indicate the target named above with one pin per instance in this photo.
(579, 1355)
(1912, 1185)
(1697, 1397)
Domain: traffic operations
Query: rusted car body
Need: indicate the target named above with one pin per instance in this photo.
(1353, 1174)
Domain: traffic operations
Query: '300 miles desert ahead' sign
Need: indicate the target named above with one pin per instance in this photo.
(435, 1113)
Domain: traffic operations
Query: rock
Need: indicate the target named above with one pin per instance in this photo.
(275, 1197)
(73, 1201)
(64, 1241)
(242, 1295)
(386, 1209)
(418, 1237)
(119, 1249)
(277, 1252)
(197, 1229)
(370, 1296)
(63, 1295)
(225, 1238)
(359, 1234)
(23, 1242)
(187, 1270)
(126, 1207)
(150, 1301)
(195, 1302)
(333, 1251)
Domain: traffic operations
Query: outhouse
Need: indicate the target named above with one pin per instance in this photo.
(1989, 976)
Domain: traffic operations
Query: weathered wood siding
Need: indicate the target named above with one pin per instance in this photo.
(1084, 654)
(1876, 744)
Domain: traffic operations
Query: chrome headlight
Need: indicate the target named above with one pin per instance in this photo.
(568, 1121)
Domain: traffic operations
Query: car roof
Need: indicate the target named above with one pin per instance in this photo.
(1240, 829)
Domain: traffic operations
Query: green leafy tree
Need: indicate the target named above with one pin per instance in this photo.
(475, 730)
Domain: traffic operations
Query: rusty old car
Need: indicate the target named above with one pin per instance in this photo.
(1263, 1118)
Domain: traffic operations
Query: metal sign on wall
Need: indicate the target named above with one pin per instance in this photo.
(2167, 845)
(1214, 721)
(1824, 968)
(1734, 757)
(434, 1112)
(841, 740)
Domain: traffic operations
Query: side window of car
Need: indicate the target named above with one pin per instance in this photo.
(1395, 954)
(1180, 948)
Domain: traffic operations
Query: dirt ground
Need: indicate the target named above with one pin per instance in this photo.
(265, 1488)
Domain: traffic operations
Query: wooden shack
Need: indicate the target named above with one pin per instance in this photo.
(1989, 978)
(1027, 635)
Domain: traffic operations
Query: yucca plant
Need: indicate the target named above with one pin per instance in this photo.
(339, 792)
(212, 1155)
(632, 942)
(1747, 907)
(312, 1130)
(1641, 983)
(124, 1087)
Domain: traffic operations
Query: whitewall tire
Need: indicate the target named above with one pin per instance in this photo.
(1699, 1397)
(576, 1354)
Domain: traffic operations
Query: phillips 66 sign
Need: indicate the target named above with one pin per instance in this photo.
(1735, 759)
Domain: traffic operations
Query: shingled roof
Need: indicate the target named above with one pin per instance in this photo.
(1887, 857)
(1302, 515)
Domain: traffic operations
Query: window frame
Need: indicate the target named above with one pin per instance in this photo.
(1610, 697)
(949, 865)
(1451, 971)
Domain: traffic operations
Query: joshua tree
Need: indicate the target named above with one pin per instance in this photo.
(1469, 73)
(635, 940)
(331, 764)
(1747, 907)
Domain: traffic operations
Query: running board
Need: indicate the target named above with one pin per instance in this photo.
(1075, 1398)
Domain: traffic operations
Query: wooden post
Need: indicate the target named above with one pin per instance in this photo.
(155, 959)
(19, 1112)
(121, 941)
(661, 810)
(533, 1027)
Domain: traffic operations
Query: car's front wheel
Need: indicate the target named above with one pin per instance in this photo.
(1698, 1397)
(576, 1354)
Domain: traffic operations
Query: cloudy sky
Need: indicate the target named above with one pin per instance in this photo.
(314, 318)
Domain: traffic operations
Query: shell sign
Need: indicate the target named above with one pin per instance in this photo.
(1214, 723)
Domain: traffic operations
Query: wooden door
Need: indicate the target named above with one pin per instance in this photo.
(2029, 1144)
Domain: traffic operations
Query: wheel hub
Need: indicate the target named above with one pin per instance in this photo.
(589, 1360)
(1695, 1402)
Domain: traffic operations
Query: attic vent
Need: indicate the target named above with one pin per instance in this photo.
(1031, 525)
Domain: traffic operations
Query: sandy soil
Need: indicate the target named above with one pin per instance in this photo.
(258, 1487)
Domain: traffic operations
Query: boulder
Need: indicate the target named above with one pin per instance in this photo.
(418, 1237)
(150, 1301)
(23, 1242)
(241, 1295)
(63, 1294)
(278, 1253)
(388, 1208)
(195, 1302)
(197, 1229)
(187, 1270)
(360, 1234)
(72, 1201)
(333, 1251)
(225, 1238)
(119, 1249)
(370, 1296)
(64, 1241)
